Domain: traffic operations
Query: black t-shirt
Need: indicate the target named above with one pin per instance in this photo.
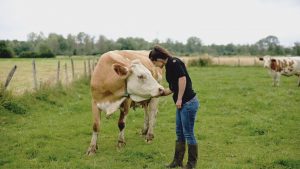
(175, 69)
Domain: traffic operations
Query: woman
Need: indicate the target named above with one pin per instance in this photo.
(186, 103)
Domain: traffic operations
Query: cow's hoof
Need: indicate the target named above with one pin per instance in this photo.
(92, 150)
(121, 144)
(143, 132)
(149, 138)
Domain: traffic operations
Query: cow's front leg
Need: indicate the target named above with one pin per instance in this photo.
(96, 128)
(122, 122)
(146, 120)
(153, 109)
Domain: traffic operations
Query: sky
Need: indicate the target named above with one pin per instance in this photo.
(213, 21)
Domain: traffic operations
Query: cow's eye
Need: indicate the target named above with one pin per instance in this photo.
(141, 77)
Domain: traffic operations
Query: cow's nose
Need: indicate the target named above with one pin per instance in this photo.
(161, 91)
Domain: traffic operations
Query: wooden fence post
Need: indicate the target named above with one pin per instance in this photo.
(9, 77)
(72, 64)
(93, 66)
(66, 74)
(85, 73)
(89, 67)
(34, 75)
(58, 72)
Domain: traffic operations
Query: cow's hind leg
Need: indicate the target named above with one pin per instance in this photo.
(96, 128)
(122, 122)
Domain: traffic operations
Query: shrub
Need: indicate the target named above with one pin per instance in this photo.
(46, 54)
(11, 104)
(28, 54)
(202, 61)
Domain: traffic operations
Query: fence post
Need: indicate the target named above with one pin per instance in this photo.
(239, 61)
(58, 72)
(72, 64)
(93, 66)
(89, 67)
(85, 74)
(34, 75)
(66, 74)
(9, 77)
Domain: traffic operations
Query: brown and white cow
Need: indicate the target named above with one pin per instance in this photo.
(122, 79)
(278, 66)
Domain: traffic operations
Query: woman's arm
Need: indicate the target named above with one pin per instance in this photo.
(181, 89)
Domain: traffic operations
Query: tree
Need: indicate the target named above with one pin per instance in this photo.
(5, 50)
(45, 51)
(268, 45)
(296, 49)
(193, 45)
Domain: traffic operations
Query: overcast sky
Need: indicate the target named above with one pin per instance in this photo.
(213, 21)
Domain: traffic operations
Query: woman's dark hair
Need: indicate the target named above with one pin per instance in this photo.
(158, 53)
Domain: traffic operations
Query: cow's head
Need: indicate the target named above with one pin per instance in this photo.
(140, 83)
(267, 61)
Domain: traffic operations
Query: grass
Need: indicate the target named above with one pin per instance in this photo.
(243, 123)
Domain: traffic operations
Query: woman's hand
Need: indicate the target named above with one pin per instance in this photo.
(179, 103)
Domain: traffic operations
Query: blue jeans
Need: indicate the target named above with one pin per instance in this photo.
(185, 119)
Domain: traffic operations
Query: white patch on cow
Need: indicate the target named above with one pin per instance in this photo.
(110, 107)
(137, 98)
(94, 138)
(122, 133)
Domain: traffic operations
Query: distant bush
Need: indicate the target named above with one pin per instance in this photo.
(202, 61)
(46, 54)
(31, 54)
(28, 54)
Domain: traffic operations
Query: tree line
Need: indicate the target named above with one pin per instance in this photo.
(38, 45)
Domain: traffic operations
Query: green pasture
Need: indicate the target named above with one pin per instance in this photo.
(243, 123)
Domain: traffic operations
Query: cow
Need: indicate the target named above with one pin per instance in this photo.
(122, 79)
(278, 66)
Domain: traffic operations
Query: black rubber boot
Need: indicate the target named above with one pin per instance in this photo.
(193, 156)
(178, 155)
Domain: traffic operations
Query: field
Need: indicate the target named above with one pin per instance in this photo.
(243, 123)
(46, 71)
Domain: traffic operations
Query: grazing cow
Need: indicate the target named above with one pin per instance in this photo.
(286, 66)
(122, 79)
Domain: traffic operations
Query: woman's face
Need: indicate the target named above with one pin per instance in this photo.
(159, 63)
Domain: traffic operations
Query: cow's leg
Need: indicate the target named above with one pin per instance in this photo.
(96, 128)
(146, 120)
(153, 109)
(122, 122)
(277, 79)
(299, 81)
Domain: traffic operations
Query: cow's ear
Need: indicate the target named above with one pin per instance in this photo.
(121, 70)
(273, 60)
